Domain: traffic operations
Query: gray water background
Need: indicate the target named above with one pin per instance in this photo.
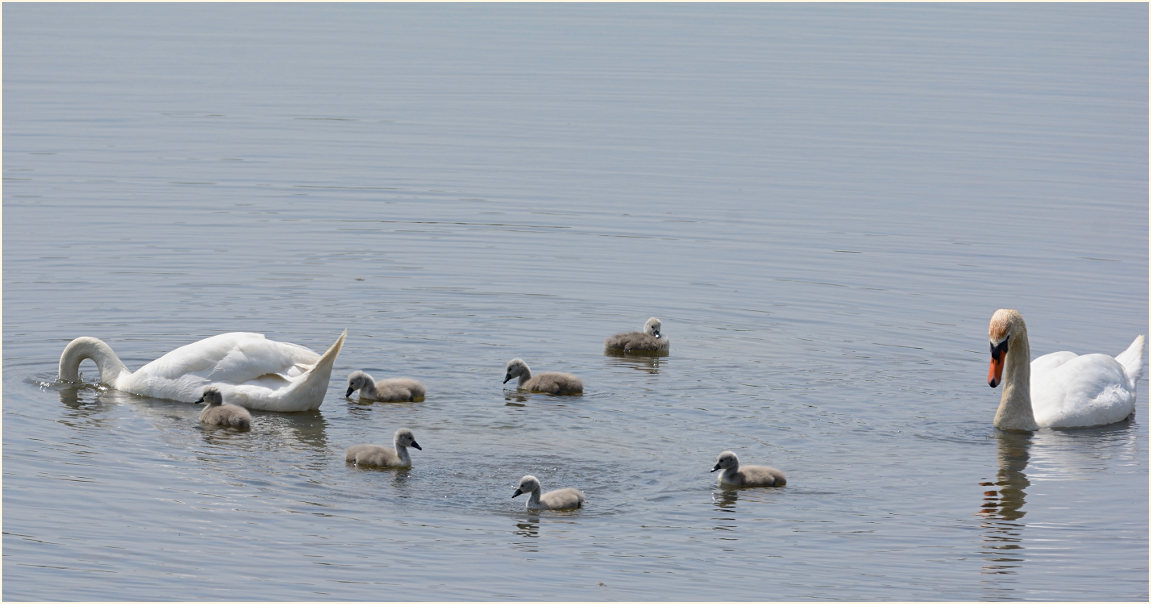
(824, 204)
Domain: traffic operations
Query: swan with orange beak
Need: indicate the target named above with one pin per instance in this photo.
(1060, 389)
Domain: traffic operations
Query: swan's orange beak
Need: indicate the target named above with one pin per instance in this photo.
(995, 371)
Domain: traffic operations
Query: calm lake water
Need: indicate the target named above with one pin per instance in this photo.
(824, 204)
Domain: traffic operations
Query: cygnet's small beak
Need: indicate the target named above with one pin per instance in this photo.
(348, 394)
(715, 468)
(506, 378)
(417, 445)
(517, 493)
(199, 401)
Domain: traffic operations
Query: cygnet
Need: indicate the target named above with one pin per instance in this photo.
(219, 414)
(549, 382)
(559, 499)
(735, 475)
(390, 390)
(649, 341)
(378, 456)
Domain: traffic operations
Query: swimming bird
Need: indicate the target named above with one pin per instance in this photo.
(648, 341)
(550, 382)
(1060, 389)
(219, 414)
(734, 475)
(249, 370)
(384, 457)
(559, 499)
(389, 390)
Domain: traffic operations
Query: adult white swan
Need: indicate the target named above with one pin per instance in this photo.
(250, 371)
(1061, 389)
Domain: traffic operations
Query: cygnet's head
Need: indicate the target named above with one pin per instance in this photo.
(652, 327)
(516, 368)
(528, 484)
(211, 396)
(726, 460)
(405, 438)
(357, 380)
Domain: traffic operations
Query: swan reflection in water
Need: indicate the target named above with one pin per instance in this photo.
(1002, 508)
(645, 364)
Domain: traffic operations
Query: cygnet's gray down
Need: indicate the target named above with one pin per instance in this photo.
(735, 475)
(650, 341)
(378, 456)
(389, 390)
(219, 414)
(550, 382)
(559, 499)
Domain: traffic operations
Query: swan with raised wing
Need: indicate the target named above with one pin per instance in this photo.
(249, 370)
(1060, 389)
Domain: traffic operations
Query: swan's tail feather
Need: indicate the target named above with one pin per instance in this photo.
(1132, 360)
(311, 391)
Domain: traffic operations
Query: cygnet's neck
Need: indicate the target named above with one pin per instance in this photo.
(534, 499)
(402, 452)
(525, 374)
(1015, 405)
(109, 365)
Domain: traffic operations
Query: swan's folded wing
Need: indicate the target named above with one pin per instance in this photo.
(254, 359)
(1087, 390)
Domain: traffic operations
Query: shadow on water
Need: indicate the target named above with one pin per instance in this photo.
(648, 363)
(1003, 503)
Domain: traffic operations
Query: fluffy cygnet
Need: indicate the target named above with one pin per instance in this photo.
(389, 390)
(384, 457)
(549, 382)
(559, 499)
(735, 475)
(648, 341)
(219, 414)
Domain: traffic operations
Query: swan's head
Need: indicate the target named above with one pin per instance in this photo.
(726, 460)
(211, 396)
(405, 438)
(1006, 323)
(357, 380)
(528, 484)
(652, 327)
(515, 369)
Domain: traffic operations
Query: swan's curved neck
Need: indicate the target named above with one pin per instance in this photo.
(1015, 405)
(534, 499)
(110, 366)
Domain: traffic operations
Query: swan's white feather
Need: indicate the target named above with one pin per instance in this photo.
(249, 369)
(1070, 390)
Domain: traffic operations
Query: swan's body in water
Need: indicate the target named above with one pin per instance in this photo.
(1060, 389)
(649, 341)
(377, 456)
(219, 414)
(559, 499)
(389, 390)
(735, 475)
(249, 370)
(551, 382)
